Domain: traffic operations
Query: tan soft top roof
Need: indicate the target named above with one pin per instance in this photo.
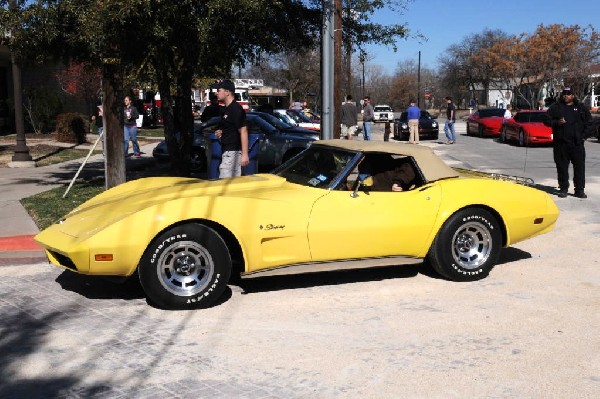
(431, 165)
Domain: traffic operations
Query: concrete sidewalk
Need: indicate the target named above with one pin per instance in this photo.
(18, 229)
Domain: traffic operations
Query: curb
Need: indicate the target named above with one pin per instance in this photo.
(19, 243)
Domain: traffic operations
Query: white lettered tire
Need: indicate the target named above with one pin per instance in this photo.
(467, 246)
(186, 267)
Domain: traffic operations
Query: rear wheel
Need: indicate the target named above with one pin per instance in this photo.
(467, 246)
(186, 267)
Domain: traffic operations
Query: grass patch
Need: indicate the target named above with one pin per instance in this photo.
(48, 207)
(63, 155)
(158, 132)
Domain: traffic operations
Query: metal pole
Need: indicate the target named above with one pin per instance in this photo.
(83, 163)
(21, 150)
(419, 81)
(327, 61)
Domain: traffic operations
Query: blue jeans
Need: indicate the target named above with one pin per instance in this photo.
(130, 133)
(449, 130)
(367, 130)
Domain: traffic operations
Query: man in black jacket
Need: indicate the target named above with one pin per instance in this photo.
(569, 120)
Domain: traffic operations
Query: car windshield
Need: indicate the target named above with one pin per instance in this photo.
(489, 112)
(380, 109)
(532, 117)
(316, 166)
(274, 121)
(303, 117)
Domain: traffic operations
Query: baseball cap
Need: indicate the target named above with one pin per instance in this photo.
(226, 85)
(566, 90)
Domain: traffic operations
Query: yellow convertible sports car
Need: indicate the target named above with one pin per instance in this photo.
(337, 205)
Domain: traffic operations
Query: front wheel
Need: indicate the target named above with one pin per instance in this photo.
(186, 267)
(467, 246)
(198, 161)
(481, 131)
(522, 138)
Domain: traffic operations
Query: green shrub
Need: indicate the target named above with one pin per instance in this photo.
(71, 128)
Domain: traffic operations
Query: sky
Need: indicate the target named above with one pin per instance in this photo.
(447, 22)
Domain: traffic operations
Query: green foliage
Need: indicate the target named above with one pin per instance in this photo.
(71, 128)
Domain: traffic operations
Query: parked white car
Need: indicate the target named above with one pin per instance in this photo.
(383, 113)
(300, 119)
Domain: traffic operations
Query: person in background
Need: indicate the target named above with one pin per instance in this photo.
(450, 119)
(213, 109)
(349, 119)
(296, 105)
(413, 115)
(473, 104)
(368, 115)
(130, 127)
(97, 117)
(569, 120)
(507, 113)
(232, 131)
(540, 105)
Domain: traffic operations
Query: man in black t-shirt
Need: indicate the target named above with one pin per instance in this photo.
(450, 120)
(232, 131)
(569, 119)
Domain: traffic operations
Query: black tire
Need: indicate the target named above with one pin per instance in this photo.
(467, 246)
(521, 138)
(468, 130)
(198, 161)
(481, 131)
(186, 267)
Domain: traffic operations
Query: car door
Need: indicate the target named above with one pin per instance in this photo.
(372, 224)
(511, 128)
(267, 153)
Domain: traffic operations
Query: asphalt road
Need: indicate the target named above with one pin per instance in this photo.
(530, 330)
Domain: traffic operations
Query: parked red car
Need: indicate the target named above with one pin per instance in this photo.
(485, 122)
(527, 127)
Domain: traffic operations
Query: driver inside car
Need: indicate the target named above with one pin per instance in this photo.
(400, 178)
(386, 174)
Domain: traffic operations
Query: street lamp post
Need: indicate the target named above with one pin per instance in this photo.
(21, 158)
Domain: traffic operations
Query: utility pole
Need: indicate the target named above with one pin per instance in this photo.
(362, 59)
(21, 158)
(337, 87)
(327, 65)
(419, 81)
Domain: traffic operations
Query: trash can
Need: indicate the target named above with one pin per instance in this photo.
(214, 152)
(213, 155)
(253, 150)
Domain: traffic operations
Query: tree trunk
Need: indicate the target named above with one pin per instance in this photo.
(113, 129)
